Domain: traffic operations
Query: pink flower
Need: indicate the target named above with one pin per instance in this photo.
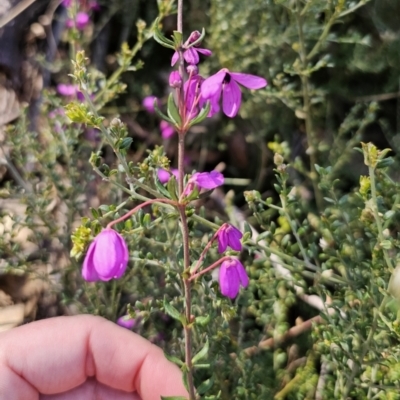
(148, 103)
(232, 274)
(204, 180)
(191, 54)
(81, 20)
(225, 83)
(207, 180)
(167, 130)
(192, 94)
(175, 79)
(126, 322)
(164, 175)
(106, 258)
(230, 236)
(67, 90)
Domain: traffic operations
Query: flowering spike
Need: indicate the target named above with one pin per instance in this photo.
(106, 258)
(232, 275)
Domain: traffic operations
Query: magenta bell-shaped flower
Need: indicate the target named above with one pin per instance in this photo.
(107, 257)
(230, 236)
(231, 275)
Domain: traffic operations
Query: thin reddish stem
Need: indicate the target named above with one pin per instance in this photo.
(211, 267)
(128, 214)
(205, 250)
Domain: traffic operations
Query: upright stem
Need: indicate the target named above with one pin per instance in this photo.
(184, 227)
(179, 18)
(186, 264)
(181, 162)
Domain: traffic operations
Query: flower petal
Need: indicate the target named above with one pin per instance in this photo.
(174, 58)
(234, 236)
(229, 280)
(89, 273)
(205, 52)
(248, 80)
(213, 84)
(123, 257)
(208, 180)
(222, 241)
(191, 56)
(106, 258)
(231, 99)
(244, 279)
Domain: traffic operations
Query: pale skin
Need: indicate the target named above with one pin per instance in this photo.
(83, 357)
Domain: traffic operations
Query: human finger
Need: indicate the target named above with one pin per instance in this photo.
(59, 354)
(92, 389)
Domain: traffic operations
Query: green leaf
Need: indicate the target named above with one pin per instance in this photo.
(201, 354)
(172, 311)
(384, 163)
(203, 321)
(160, 38)
(202, 114)
(172, 187)
(161, 114)
(177, 38)
(173, 398)
(172, 110)
(205, 386)
(174, 359)
(160, 187)
(125, 143)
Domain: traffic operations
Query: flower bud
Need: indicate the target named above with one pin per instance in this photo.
(106, 258)
(192, 69)
(193, 37)
(175, 79)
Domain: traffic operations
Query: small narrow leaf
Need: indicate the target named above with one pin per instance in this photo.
(160, 38)
(161, 114)
(173, 398)
(201, 354)
(205, 386)
(160, 187)
(174, 359)
(172, 110)
(172, 187)
(172, 311)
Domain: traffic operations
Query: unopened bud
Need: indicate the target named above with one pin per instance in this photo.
(192, 69)
(175, 79)
(193, 37)
(278, 159)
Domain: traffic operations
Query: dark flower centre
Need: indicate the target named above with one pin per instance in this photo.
(227, 78)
